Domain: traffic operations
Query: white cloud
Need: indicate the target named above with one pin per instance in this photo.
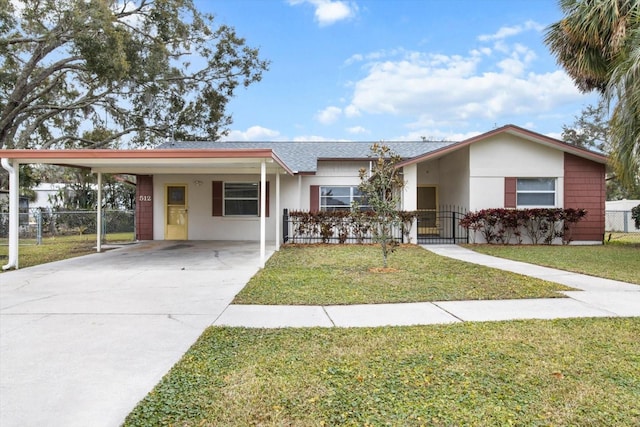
(506, 32)
(374, 56)
(328, 115)
(351, 111)
(454, 89)
(254, 133)
(328, 12)
(356, 130)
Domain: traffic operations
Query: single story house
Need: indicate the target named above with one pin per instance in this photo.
(213, 190)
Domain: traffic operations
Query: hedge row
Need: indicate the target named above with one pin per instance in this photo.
(340, 226)
(541, 225)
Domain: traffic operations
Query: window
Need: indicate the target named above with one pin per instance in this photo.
(536, 192)
(241, 198)
(339, 198)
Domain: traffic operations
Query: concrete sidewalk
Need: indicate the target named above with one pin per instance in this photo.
(594, 297)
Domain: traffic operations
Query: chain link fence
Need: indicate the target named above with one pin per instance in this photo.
(42, 223)
(620, 221)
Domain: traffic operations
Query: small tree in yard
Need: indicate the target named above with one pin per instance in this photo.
(381, 189)
(635, 214)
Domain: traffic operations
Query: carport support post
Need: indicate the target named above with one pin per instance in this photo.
(13, 168)
(410, 197)
(263, 205)
(278, 210)
(99, 213)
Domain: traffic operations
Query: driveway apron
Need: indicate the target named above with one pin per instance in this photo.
(83, 340)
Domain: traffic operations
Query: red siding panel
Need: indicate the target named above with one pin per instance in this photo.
(216, 198)
(144, 207)
(314, 202)
(584, 187)
(510, 192)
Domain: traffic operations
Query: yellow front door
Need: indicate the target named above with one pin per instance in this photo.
(176, 212)
(427, 210)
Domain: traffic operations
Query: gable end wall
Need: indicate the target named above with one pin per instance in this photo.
(584, 187)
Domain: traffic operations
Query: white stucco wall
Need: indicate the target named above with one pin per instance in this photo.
(454, 178)
(294, 195)
(450, 175)
(201, 224)
(504, 155)
(330, 173)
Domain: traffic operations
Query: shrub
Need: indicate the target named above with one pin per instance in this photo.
(540, 225)
(340, 226)
(635, 214)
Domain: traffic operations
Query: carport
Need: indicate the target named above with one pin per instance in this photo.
(258, 162)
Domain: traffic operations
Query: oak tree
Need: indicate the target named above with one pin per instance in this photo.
(145, 70)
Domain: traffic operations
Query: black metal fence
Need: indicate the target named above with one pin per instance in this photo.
(442, 226)
(437, 226)
(347, 229)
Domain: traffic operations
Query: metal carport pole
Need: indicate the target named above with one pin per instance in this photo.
(263, 204)
(278, 213)
(13, 168)
(99, 214)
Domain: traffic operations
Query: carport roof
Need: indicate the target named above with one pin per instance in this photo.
(154, 161)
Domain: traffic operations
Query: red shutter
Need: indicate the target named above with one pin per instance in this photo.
(314, 202)
(266, 211)
(217, 198)
(510, 192)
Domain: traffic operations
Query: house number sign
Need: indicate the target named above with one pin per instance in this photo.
(145, 198)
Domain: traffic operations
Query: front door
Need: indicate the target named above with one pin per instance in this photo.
(176, 212)
(427, 210)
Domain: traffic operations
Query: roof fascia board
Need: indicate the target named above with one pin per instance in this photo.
(68, 156)
(516, 131)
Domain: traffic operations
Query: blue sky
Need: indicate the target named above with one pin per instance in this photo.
(370, 70)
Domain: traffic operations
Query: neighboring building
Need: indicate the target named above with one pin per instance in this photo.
(44, 194)
(211, 190)
(618, 216)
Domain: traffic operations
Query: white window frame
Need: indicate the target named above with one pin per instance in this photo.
(225, 198)
(554, 192)
(352, 189)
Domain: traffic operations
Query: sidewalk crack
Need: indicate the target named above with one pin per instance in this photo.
(328, 317)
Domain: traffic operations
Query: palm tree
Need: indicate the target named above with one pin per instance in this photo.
(598, 44)
(624, 87)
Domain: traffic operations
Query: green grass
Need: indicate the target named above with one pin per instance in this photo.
(58, 248)
(341, 274)
(582, 372)
(618, 259)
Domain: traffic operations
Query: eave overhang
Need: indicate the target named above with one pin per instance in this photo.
(154, 161)
(512, 130)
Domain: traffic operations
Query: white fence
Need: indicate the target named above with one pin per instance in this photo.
(619, 221)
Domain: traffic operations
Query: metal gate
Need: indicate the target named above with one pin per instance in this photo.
(442, 226)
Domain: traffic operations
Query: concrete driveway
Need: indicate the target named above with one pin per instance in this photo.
(83, 340)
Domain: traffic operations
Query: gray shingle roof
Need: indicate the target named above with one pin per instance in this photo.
(303, 156)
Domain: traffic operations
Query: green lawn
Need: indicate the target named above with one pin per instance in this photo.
(58, 248)
(341, 274)
(619, 259)
(582, 372)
